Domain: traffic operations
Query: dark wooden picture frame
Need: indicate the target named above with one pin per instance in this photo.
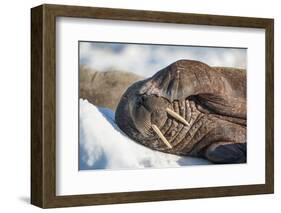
(43, 105)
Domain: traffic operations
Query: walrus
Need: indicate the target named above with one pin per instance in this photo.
(188, 109)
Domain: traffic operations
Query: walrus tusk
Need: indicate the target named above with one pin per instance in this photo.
(177, 116)
(161, 136)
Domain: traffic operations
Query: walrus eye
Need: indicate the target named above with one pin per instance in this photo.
(140, 101)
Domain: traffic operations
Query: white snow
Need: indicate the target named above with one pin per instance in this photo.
(103, 146)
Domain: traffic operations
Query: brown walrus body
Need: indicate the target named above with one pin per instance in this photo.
(188, 108)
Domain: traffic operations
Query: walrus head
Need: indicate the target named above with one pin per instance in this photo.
(138, 112)
(145, 106)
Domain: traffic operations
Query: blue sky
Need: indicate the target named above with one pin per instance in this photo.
(146, 59)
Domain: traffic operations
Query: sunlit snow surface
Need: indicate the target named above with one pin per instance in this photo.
(103, 146)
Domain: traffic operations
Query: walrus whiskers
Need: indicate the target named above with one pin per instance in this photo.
(177, 116)
(161, 136)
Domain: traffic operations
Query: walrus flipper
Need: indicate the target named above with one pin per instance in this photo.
(227, 106)
(225, 152)
(186, 78)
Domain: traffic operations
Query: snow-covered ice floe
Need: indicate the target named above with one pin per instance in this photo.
(102, 145)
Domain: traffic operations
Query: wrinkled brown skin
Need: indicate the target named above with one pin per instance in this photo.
(212, 100)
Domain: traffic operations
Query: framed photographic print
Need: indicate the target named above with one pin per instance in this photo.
(136, 106)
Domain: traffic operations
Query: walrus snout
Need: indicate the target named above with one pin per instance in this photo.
(145, 112)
